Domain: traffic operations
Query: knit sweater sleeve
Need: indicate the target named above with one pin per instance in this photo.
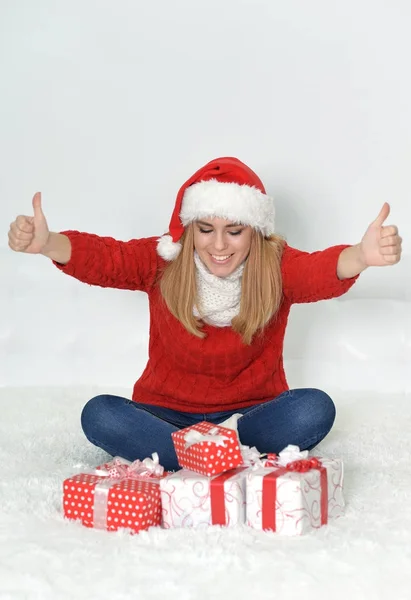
(106, 262)
(312, 276)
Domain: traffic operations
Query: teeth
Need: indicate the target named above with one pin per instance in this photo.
(221, 257)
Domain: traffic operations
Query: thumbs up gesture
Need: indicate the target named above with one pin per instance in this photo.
(30, 233)
(381, 244)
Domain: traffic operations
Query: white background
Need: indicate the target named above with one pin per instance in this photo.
(108, 107)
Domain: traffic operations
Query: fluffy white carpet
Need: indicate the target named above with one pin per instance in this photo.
(365, 555)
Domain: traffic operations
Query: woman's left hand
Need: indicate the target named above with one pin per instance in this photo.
(381, 244)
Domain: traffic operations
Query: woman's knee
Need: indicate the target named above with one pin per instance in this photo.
(96, 415)
(318, 408)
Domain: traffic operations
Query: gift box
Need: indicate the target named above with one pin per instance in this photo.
(118, 494)
(207, 449)
(190, 499)
(292, 494)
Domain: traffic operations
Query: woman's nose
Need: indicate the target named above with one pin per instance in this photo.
(220, 242)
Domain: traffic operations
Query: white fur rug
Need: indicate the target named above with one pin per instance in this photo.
(365, 555)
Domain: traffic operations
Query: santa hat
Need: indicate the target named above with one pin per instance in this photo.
(225, 188)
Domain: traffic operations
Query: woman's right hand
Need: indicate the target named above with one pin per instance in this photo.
(30, 234)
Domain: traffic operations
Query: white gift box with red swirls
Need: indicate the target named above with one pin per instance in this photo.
(292, 501)
(190, 499)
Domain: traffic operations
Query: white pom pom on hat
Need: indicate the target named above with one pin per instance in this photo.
(225, 188)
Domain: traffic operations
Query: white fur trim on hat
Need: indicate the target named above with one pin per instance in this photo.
(241, 204)
(168, 249)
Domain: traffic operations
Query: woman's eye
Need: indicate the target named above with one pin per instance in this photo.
(210, 231)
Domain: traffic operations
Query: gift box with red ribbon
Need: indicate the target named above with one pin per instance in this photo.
(193, 500)
(207, 449)
(118, 494)
(292, 493)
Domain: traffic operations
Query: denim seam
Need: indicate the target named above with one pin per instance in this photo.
(139, 407)
(256, 409)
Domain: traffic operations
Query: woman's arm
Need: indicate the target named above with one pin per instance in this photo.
(350, 262)
(57, 248)
(95, 260)
(309, 277)
(312, 276)
(107, 262)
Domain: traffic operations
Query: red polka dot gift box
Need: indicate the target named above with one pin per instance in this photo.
(207, 449)
(118, 494)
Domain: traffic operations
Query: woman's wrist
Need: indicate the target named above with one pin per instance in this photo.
(350, 262)
(57, 248)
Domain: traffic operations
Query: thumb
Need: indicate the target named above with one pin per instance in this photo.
(384, 212)
(38, 212)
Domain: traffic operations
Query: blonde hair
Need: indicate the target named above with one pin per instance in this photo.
(261, 287)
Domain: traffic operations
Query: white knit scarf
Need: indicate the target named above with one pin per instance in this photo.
(219, 297)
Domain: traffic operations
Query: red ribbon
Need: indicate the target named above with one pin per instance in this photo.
(270, 490)
(218, 515)
(270, 497)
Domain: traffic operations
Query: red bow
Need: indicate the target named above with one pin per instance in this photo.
(304, 465)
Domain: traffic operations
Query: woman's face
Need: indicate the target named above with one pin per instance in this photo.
(222, 245)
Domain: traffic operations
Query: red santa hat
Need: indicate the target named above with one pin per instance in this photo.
(225, 188)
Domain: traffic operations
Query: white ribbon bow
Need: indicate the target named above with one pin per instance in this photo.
(195, 437)
(251, 456)
(290, 454)
(121, 468)
(152, 466)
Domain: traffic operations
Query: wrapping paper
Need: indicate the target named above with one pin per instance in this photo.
(190, 499)
(291, 502)
(116, 495)
(207, 449)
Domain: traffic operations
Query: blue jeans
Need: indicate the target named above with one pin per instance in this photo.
(124, 428)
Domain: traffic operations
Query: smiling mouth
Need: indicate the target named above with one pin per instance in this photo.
(220, 259)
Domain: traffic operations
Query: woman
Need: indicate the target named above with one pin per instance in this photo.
(220, 285)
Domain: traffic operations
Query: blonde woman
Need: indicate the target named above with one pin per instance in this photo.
(220, 286)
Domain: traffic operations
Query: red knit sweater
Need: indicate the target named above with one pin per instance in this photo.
(218, 372)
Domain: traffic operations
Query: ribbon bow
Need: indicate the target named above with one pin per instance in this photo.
(290, 454)
(293, 460)
(267, 460)
(195, 437)
(251, 456)
(120, 468)
(302, 466)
